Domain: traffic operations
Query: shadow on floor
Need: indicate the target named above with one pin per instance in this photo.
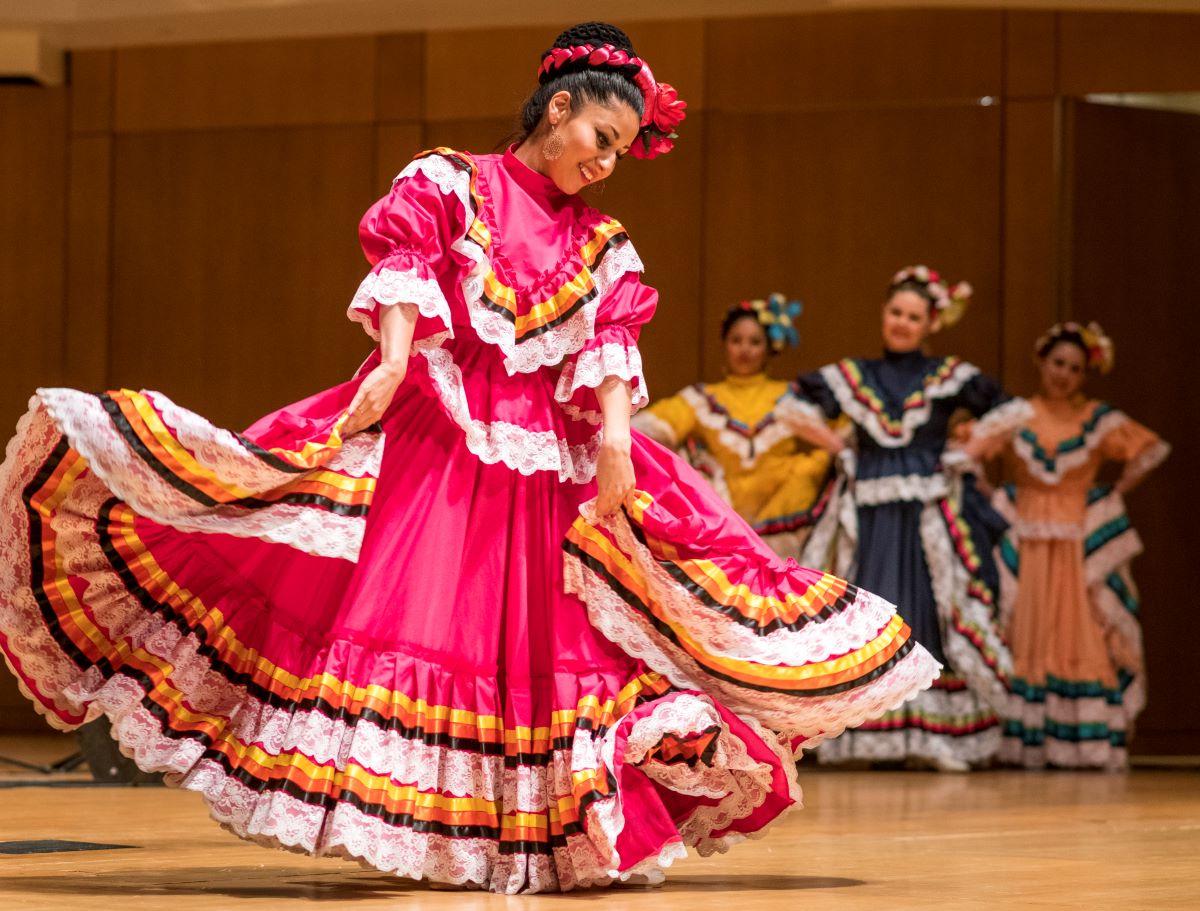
(284, 884)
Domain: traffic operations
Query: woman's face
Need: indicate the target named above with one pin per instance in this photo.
(1064, 368)
(907, 322)
(746, 347)
(594, 137)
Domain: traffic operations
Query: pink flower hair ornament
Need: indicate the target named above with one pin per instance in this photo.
(663, 109)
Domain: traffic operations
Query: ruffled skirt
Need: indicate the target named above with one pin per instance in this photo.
(1071, 609)
(387, 649)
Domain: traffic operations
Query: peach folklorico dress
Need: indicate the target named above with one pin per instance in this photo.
(417, 646)
(1067, 598)
(729, 431)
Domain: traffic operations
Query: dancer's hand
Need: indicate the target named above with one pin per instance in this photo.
(374, 395)
(614, 475)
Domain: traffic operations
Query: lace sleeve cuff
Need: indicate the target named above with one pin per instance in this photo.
(584, 373)
(402, 278)
(797, 411)
(1003, 421)
(1144, 463)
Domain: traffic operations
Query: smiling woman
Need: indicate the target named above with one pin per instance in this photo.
(519, 647)
(908, 521)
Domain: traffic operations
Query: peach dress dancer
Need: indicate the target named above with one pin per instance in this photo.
(1068, 600)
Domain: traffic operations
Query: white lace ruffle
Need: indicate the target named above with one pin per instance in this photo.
(795, 410)
(522, 450)
(900, 488)
(815, 718)
(906, 742)
(87, 426)
(913, 418)
(1046, 530)
(956, 607)
(1066, 753)
(747, 449)
(1145, 462)
(549, 348)
(590, 368)
(1063, 464)
(1003, 420)
(389, 287)
(737, 782)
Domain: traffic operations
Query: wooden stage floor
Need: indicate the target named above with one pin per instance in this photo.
(877, 840)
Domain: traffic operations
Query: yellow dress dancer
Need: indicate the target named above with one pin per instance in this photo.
(728, 430)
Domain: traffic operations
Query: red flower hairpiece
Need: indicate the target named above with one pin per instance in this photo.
(663, 109)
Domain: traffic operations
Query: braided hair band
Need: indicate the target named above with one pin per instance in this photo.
(663, 110)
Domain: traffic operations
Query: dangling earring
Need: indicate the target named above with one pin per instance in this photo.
(553, 147)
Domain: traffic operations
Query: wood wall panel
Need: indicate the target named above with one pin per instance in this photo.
(1030, 63)
(503, 69)
(395, 146)
(482, 74)
(1135, 229)
(235, 255)
(89, 262)
(1129, 52)
(313, 81)
(400, 77)
(1031, 237)
(857, 195)
(91, 92)
(33, 162)
(874, 57)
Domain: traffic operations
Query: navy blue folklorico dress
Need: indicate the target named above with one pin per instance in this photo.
(908, 524)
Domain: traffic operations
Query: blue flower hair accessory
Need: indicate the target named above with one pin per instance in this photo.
(777, 315)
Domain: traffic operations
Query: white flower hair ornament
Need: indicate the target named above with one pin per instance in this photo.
(949, 303)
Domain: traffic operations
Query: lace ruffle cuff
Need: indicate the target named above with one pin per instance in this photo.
(401, 278)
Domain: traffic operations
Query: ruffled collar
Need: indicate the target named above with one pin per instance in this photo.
(536, 185)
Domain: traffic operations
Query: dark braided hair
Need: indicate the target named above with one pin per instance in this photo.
(585, 83)
(1071, 337)
(735, 315)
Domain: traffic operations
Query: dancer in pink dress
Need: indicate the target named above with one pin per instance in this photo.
(451, 618)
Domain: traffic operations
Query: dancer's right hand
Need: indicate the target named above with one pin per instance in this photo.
(374, 395)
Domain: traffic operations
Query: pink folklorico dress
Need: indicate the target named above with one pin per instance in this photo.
(416, 646)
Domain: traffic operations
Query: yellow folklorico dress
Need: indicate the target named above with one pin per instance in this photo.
(728, 430)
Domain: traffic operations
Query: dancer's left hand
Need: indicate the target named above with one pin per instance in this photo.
(614, 475)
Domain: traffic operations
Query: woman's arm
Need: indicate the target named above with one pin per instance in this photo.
(614, 467)
(818, 434)
(396, 326)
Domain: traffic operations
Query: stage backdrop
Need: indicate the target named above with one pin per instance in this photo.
(184, 217)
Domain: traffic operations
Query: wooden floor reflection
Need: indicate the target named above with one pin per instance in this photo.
(883, 840)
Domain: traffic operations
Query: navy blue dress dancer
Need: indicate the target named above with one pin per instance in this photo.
(907, 521)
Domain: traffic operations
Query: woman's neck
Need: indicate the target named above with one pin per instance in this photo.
(1060, 407)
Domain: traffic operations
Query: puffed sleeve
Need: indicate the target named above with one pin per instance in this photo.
(809, 400)
(1139, 448)
(669, 421)
(998, 415)
(406, 237)
(612, 350)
